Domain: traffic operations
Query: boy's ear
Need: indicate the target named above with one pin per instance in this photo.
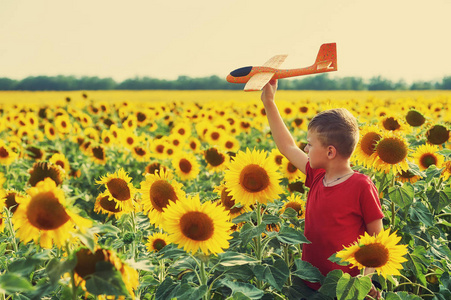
(331, 152)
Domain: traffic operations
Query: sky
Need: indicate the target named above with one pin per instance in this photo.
(399, 40)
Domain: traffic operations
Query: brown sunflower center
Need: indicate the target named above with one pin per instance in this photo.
(291, 168)
(185, 166)
(109, 205)
(10, 201)
(428, 159)
(160, 193)
(278, 159)
(45, 212)
(406, 174)
(3, 152)
(254, 178)
(158, 244)
(391, 124)
(42, 170)
(197, 226)
(372, 255)
(296, 206)
(119, 189)
(98, 152)
(86, 261)
(415, 118)
(391, 150)
(226, 199)
(437, 135)
(213, 157)
(369, 141)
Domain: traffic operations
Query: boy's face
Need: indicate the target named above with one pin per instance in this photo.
(317, 153)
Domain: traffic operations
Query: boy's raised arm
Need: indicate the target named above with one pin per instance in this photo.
(281, 135)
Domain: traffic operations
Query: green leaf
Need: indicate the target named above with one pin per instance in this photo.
(56, 268)
(245, 289)
(329, 287)
(291, 236)
(401, 296)
(248, 232)
(165, 289)
(245, 217)
(12, 283)
(188, 292)
(307, 271)
(24, 266)
(270, 219)
(439, 199)
(276, 274)
(106, 280)
(231, 258)
(417, 263)
(402, 195)
(420, 213)
(353, 287)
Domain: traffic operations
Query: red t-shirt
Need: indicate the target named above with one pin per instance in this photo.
(336, 216)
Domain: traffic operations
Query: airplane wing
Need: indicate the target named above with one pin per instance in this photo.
(276, 61)
(258, 81)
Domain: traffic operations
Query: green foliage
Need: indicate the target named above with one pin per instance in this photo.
(318, 82)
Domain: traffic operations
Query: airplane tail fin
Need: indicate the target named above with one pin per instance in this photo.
(327, 58)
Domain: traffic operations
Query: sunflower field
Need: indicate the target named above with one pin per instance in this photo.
(184, 195)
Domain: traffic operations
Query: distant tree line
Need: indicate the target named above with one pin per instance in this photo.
(317, 82)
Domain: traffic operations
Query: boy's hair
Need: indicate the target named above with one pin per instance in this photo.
(336, 127)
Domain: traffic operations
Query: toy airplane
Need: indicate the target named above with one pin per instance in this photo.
(256, 77)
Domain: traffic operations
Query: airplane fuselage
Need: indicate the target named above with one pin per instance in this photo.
(242, 75)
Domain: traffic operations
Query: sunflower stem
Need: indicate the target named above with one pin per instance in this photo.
(287, 261)
(11, 230)
(72, 275)
(258, 241)
(204, 278)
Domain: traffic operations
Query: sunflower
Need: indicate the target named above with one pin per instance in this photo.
(252, 177)
(12, 199)
(193, 144)
(365, 151)
(216, 160)
(290, 171)
(193, 226)
(408, 176)
(426, 155)
(392, 151)
(276, 156)
(230, 144)
(60, 160)
(415, 118)
(157, 191)
(381, 252)
(98, 154)
(63, 124)
(154, 167)
(157, 241)
(295, 202)
(186, 165)
(392, 122)
(119, 188)
(7, 155)
(446, 173)
(2, 206)
(228, 202)
(105, 205)
(44, 217)
(86, 266)
(437, 134)
(42, 170)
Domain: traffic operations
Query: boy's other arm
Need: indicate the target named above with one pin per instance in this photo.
(281, 135)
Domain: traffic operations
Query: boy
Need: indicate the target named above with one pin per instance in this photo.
(341, 204)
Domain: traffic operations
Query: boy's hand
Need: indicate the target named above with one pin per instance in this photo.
(269, 90)
(374, 293)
